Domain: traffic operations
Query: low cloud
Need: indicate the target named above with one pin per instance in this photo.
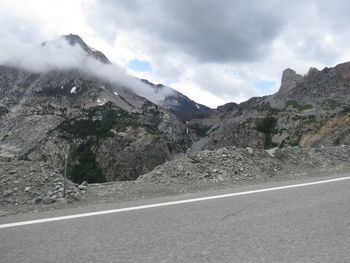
(34, 56)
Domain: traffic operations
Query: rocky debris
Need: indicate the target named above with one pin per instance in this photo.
(250, 150)
(34, 183)
(237, 164)
(205, 170)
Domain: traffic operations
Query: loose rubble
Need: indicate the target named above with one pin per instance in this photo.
(29, 183)
(27, 186)
(231, 164)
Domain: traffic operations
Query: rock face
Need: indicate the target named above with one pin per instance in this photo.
(343, 69)
(309, 110)
(289, 80)
(109, 132)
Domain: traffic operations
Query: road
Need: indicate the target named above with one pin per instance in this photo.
(306, 223)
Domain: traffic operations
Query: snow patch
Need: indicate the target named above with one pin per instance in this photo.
(101, 102)
(198, 107)
(116, 93)
(62, 87)
(73, 90)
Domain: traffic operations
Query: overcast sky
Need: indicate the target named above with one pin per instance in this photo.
(214, 51)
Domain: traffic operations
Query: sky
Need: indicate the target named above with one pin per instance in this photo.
(213, 51)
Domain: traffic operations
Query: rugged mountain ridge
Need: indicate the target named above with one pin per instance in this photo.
(77, 40)
(309, 110)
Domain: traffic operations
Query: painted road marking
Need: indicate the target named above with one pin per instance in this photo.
(112, 211)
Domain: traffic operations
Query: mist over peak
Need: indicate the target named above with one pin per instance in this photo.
(77, 40)
(70, 52)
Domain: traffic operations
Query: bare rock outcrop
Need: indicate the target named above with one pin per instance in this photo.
(343, 69)
(290, 79)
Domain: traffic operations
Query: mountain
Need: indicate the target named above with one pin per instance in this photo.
(179, 104)
(76, 40)
(108, 131)
(309, 110)
(172, 100)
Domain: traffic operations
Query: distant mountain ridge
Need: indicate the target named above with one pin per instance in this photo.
(309, 110)
(179, 104)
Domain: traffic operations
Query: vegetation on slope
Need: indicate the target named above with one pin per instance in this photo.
(297, 106)
(201, 130)
(268, 127)
(85, 168)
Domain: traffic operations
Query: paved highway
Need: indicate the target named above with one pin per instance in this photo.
(306, 223)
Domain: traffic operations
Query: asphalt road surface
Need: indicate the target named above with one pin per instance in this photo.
(308, 223)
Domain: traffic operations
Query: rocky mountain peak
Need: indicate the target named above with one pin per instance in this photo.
(343, 69)
(289, 80)
(77, 40)
(312, 71)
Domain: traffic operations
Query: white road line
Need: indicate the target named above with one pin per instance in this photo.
(52, 219)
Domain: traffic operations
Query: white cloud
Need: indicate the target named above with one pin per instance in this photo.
(59, 55)
(196, 54)
(191, 90)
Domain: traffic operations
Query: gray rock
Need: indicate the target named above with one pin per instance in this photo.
(7, 193)
(250, 150)
(272, 151)
(48, 200)
(289, 80)
(82, 187)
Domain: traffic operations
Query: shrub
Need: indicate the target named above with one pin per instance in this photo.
(297, 106)
(268, 127)
(117, 119)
